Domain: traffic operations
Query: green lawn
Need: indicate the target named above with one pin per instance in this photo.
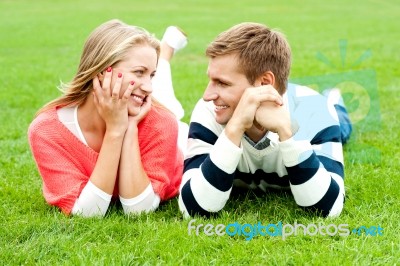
(349, 44)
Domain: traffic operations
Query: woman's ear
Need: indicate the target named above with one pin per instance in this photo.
(101, 77)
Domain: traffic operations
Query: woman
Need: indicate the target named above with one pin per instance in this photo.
(105, 136)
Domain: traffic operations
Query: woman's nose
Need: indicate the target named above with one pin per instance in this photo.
(147, 86)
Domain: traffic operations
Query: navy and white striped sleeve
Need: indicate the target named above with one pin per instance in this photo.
(315, 167)
(210, 164)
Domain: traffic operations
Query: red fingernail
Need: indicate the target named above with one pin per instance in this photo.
(132, 82)
(109, 69)
(119, 75)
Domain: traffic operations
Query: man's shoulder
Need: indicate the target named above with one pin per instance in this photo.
(204, 106)
(306, 99)
(203, 112)
(310, 111)
(303, 93)
(203, 118)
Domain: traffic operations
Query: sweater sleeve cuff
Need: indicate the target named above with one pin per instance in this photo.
(294, 152)
(139, 198)
(94, 189)
(225, 154)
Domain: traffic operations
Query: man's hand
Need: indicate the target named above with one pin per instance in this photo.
(274, 118)
(245, 112)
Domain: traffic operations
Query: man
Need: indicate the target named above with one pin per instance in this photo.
(253, 129)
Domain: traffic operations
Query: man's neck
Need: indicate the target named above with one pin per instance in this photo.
(256, 133)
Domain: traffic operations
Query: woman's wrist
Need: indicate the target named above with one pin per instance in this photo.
(114, 133)
(132, 127)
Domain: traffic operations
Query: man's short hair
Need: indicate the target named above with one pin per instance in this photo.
(259, 49)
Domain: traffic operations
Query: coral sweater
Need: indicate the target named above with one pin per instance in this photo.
(66, 164)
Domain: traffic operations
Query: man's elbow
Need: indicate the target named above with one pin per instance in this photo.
(327, 208)
(337, 207)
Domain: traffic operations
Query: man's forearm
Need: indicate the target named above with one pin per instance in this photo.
(206, 188)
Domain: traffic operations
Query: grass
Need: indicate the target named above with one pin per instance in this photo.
(40, 45)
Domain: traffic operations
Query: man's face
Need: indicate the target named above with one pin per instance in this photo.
(226, 86)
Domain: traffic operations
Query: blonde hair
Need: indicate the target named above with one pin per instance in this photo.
(105, 46)
(259, 49)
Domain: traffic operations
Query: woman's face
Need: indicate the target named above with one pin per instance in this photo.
(139, 66)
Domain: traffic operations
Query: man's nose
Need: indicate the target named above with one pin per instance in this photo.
(210, 94)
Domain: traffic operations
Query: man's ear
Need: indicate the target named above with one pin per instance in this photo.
(267, 78)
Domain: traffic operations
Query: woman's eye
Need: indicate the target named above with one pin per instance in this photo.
(139, 72)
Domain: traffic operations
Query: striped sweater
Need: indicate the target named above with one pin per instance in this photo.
(310, 163)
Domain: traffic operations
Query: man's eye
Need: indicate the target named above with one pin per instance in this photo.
(222, 84)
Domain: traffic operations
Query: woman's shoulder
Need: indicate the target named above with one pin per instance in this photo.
(159, 121)
(44, 120)
(161, 115)
(47, 126)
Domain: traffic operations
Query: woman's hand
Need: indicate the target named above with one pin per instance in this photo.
(111, 107)
(144, 110)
